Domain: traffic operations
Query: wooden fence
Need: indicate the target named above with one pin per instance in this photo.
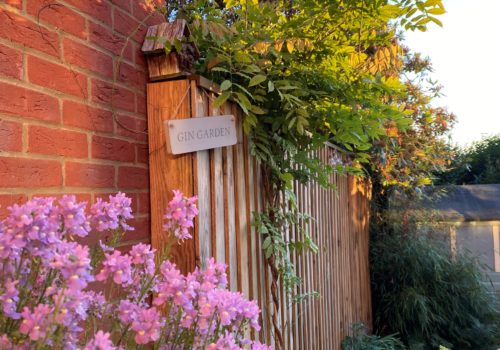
(228, 184)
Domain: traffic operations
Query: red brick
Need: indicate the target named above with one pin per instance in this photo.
(143, 203)
(142, 153)
(11, 135)
(11, 62)
(143, 8)
(6, 200)
(27, 103)
(124, 4)
(128, 26)
(56, 77)
(116, 96)
(89, 175)
(86, 117)
(98, 9)
(142, 230)
(26, 32)
(57, 142)
(105, 38)
(58, 15)
(87, 58)
(126, 124)
(14, 3)
(141, 104)
(29, 173)
(133, 177)
(130, 75)
(140, 59)
(112, 149)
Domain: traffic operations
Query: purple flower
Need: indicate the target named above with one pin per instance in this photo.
(147, 325)
(256, 345)
(142, 254)
(34, 324)
(73, 261)
(172, 285)
(73, 214)
(127, 312)
(225, 342)
(117, 265)
(180, 214)
(101, 341)
(5, 342)
(9, 299)
(113, 214)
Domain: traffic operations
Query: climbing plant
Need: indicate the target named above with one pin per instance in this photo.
(309, 71)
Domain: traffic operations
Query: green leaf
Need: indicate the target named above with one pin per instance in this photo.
(219, 69)
(226, 85)
(270, 86)
(436, 11)
(177, 45)
(437, 21)
(242, 57)
(256, 80)
(219, 101)
(257, 110)
(267, 242)
(268, 252)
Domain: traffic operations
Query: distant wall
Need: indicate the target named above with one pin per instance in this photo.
(62, 127)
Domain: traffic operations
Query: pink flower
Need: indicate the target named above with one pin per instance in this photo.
(9, 299)
(101, 341)
(34, 324)
(180, 214)
(73, 261)
(225, 342)
(75, 219)
(117, 265)
(127, 312)
(113, 214)
(142, 254)
(147, 326)
(171, 286)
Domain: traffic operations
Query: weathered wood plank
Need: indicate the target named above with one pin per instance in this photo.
(202, 166)
(168, 172)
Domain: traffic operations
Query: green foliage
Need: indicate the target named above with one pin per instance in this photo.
(477, 164)
(308, 71)
(428, 296)
(360, 340)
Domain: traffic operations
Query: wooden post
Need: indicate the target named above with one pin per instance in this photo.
(453, 240)
(168, 100)
(496, 246)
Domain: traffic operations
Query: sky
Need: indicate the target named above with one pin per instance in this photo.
(465, 55)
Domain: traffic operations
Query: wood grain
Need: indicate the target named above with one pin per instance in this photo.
(168, 172)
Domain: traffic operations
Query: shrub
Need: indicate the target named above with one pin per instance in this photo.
(428, 296)
(46, 295)
(360, 340)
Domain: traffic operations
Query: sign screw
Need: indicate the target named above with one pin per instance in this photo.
(171, 126)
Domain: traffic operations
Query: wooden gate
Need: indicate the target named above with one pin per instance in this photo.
(228, 185)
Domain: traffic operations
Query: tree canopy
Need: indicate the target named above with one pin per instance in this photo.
(307, 71)
(476, 164)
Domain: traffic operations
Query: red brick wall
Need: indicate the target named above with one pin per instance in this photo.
(63, 128)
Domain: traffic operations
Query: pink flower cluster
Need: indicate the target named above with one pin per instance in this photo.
(46, 300)
(180, 214)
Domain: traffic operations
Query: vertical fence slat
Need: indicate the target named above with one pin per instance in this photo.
(202, 178)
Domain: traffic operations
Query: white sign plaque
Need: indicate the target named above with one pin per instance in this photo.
(196, 134)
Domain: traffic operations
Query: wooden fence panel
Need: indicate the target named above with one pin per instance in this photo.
(228, 183)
